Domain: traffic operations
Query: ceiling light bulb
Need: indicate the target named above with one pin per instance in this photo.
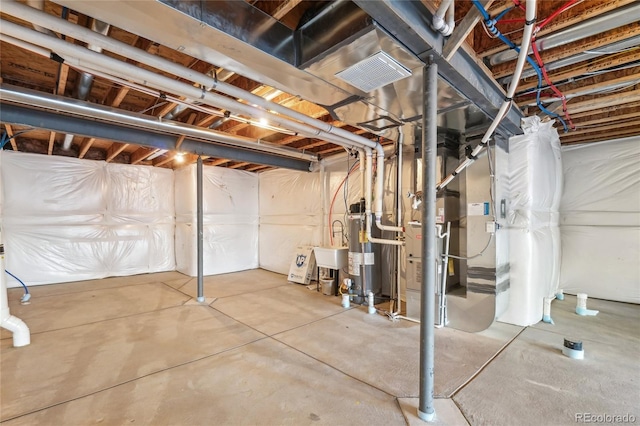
(179, 157)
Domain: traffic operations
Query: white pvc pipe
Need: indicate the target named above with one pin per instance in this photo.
(522, 57)
(367, 202)
(380, 193)
(442, 25)
(21, 333)
(81, 55)
(81, 33)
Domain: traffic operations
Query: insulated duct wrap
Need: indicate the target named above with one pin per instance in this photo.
(600, 220)
(66, 219)
(230, 219)
(535, 175)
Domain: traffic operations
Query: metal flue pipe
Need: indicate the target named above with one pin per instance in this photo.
(58, 103)
(307, 126)
(206, 82)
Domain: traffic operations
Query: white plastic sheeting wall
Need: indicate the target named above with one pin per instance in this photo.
(600, 220)
(230, 220)
(294, 208)
(535, 178)
(290, 216)
(66, 219)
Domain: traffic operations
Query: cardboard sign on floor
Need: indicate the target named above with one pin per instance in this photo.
(303, 265)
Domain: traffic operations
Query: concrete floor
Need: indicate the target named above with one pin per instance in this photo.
(264, 351)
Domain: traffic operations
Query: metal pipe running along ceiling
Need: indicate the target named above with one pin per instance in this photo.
(22, 106)
(305, 125)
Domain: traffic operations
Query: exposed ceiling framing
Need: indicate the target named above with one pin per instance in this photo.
(602, 90)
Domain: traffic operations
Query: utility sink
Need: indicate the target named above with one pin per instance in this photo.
(331, 257)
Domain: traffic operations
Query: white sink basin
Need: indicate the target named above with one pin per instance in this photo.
(331, 257)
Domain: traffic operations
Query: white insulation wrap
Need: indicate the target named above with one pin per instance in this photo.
(535, 175)
(230, 220)
(600, 220)
(290, 216)
(66, 219)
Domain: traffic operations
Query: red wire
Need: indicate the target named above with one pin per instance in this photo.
(558, 93)
(556, 13)
(518, 4)
(334, 199)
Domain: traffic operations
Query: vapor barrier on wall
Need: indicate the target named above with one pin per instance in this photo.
(290, 216)
(294, 208)
(600, 220)
(66, 219)
(230, 217)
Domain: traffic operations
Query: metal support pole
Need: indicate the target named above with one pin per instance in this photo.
(426, 410)
(200, 231)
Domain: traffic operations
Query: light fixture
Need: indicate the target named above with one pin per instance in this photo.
(179, 157)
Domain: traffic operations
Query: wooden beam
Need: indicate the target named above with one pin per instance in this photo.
(165, 109)
(206, 121)
(608, 110)
(52, 139)
(585, 67)
(162, 160)
(115, 149)
(122, 93)
(605, 101)
(571, 49)
(330, 150)
(62, 82)
(258, 168)
(238, 165)
(9, 130)
(607, 119)
(463, 29)
(84, 147)
(285, 8)
(140, 154)
(595, 8)
(599, 137)
(218, 162)
(594, 86)
(190, 120)
(621, 126)
(193, 158)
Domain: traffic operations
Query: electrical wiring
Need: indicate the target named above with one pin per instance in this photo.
(568, 5)
(5, 140)
(475, 255)
(490, 25)
(27, 296)
(536, 54)
(335, 194)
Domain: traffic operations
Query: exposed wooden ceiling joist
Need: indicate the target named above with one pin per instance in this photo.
(586, 10)
(587, 67)
(11, 135)
(571, 49)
